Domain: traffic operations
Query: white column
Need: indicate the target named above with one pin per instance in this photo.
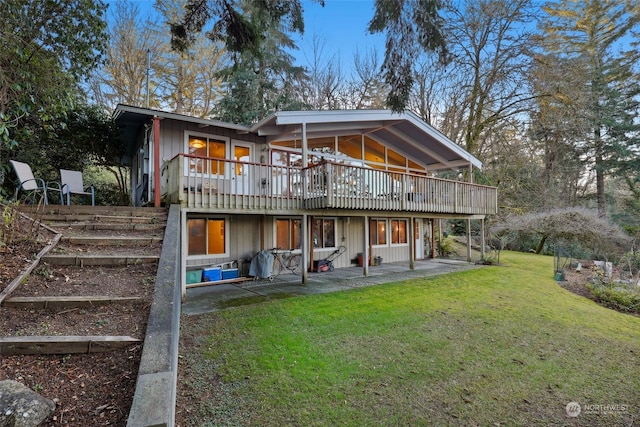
(304, 246)
(365, 252)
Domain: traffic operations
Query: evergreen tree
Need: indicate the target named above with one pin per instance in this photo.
(412, 27)
(589, 34)
(258, 83)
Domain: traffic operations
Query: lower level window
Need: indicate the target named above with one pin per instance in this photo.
(288, 233)
(378, 231)
(324, 233)
(398, 231)
(206, 236)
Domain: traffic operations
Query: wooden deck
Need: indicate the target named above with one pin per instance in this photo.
(258, 187)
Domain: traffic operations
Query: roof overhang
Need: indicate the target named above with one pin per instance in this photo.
(404, 132)
(124, 113)
(133, 119)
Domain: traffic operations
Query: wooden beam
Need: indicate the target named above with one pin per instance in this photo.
(87, 260)
(63, 344)
(219, 282)
(22, 277)
(156, 161)
(64, 301)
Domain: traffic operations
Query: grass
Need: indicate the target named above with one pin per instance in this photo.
(502, 345)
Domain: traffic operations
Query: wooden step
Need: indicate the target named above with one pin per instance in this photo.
(89, 260)
(95, 210)
(107, 226)
(63, 344)
(104, 218)
(110, 241)
(64, 301)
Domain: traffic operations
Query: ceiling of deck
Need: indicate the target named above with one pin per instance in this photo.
(405, 133)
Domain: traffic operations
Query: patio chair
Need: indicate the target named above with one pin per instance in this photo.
(72, 184)
(33, 186)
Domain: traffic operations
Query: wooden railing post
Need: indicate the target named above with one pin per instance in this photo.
(327, 183)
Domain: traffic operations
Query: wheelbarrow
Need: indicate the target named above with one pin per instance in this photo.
(327, 263)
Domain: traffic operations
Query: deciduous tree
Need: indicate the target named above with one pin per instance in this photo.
(123, 76)
(485, 84)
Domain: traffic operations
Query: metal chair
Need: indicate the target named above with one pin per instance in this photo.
(33, 186)
(72, 184)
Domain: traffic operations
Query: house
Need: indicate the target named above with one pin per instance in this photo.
(306, 181)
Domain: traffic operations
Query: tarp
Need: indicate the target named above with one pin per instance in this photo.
(261, 265)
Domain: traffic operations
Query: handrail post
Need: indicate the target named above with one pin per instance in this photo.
(327, 183)
(455, 197)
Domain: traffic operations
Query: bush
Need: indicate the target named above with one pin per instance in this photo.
(630, 264)
(618, 297)
(445, 247)
(108, 190)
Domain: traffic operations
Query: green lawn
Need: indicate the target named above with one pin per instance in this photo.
(498, 346)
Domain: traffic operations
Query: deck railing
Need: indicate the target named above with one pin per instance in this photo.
(203, 182)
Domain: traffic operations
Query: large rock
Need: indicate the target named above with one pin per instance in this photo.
(22, 407)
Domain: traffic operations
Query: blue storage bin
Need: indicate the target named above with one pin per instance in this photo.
(211, 274)
(229, 273)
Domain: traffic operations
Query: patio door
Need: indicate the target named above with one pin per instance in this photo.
(417, 238)
(241, 174)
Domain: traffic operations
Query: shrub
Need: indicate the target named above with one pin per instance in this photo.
(445, 247)
(630, 264)
(618, 297)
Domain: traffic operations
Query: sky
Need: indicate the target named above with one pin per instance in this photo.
(340, 27)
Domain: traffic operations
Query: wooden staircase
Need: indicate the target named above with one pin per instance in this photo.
(97, 278)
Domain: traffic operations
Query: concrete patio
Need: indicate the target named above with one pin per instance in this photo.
(219, 297)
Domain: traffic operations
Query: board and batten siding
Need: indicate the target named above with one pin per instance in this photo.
(172, 133)
(243, 241)
(354, 241)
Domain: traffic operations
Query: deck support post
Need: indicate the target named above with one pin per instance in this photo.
(412, 247)
(468, 240)
(156, 161)
(304, 246)
(366, 253)
(482, 239)
(432, 237)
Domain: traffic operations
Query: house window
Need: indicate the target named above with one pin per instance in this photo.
(202, 147)
(206, 236)
(324, 233)
(398, 231)
(285, 158)
(378, 232)
(374, 152)
(288, 233)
